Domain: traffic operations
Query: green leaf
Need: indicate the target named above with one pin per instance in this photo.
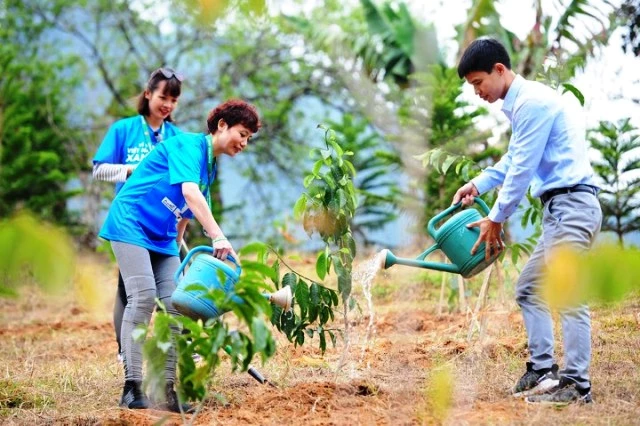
(434, 158)
(324, 314)
(465, 171)
(574, 90)
(138, 333)
(352, 303)
(336, 147)
(276, 273)
(334, 297)
(260, 333)
(314, 302)
(290, 279)
(276, 313)
(316, 167)
(288, 324)
(308, 179)
(342, 198)
(448, 162)
(323, 340)
(302, 298)
(321, 265)
(254, 247)
(333, 338)
(300, 207)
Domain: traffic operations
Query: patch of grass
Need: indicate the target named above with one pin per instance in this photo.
(384, 292)
(18, 395)
(620, 323)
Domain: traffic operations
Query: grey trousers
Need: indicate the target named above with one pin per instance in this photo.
(572, 219)
(146, 275)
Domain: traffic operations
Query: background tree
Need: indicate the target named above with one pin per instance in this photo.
(376, 186)
(314, 66)
(203, 44)
(583, 26)
(630, 16)
(39, 153)
(618, 170)
(450, 120)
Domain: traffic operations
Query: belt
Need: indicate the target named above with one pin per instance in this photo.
(577, 188)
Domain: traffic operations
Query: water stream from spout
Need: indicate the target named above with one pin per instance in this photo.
(364, 274)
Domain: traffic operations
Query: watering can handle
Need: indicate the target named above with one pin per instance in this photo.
(431, 227)
(206, 249)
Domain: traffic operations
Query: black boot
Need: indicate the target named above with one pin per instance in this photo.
(171, 403)
(132, 395)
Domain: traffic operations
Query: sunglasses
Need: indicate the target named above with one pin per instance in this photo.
(167, 73)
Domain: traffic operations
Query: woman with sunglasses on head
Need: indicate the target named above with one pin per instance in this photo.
(147, 218)
(129, 140)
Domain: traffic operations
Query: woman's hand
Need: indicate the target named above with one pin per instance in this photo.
(222, 248)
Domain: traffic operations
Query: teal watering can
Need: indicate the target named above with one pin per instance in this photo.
(204, 270)
(455, 240)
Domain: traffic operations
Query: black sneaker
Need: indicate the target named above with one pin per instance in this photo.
(171, 401)
(567, 393)
(132, 395)
(537, 381)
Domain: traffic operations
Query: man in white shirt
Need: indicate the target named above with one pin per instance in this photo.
(547, 151)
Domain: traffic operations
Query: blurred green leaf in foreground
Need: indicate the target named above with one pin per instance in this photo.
(606, 273)
(33, 251)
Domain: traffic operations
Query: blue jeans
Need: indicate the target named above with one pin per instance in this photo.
(572, 219)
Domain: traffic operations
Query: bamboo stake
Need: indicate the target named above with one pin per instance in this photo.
(441, 301)
(480, 304)
(462, 300)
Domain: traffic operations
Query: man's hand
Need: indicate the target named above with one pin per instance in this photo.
(466, 194)
(490, 234)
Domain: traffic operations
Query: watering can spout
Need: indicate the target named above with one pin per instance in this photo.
(453, 239)
(388, 259)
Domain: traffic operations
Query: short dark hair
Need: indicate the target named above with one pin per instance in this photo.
(481, 55)
(234, 111)
(173, 87)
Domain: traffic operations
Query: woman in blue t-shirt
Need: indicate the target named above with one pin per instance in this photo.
(148, 217)
(129, 140)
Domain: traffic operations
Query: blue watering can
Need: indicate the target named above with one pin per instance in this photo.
(455, 240)
(204, 270)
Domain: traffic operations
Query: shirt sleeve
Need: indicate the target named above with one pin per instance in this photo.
(185, 162)
(110, 150)
(531, 130)
(110, 172)
(493, 176)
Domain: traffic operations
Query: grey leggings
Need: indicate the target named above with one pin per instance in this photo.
(146, 275)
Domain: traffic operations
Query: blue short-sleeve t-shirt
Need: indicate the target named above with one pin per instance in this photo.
(126, 143)
(145, 211)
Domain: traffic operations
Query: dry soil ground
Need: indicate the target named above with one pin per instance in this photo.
(59, 365)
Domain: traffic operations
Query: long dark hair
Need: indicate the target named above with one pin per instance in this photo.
(173, 87)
